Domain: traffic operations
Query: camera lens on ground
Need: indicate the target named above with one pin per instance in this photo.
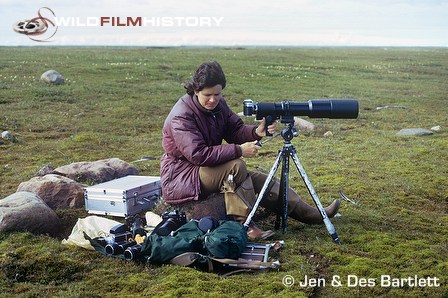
(118, 248)
(132, 252)
(168, 226)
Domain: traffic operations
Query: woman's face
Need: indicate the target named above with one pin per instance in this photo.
(209, 97)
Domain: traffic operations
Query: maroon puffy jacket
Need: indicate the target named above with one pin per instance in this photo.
(192, 137)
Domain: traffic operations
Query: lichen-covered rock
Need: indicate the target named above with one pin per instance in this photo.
(97, 171)
(414, 132)
(56, 191)
(214, 206)
(302, 124)
(25, 211)
(52, 77)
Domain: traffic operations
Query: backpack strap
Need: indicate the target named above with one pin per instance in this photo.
(188, 258)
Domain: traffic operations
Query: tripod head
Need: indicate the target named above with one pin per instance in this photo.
(289, 132)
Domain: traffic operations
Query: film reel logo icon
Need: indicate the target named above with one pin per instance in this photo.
(36, 28)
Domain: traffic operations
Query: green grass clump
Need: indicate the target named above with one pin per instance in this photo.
(115, 100)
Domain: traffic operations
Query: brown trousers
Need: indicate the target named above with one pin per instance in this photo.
(213, 178)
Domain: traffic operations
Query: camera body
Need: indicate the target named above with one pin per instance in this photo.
(171, 221)
(118, 234)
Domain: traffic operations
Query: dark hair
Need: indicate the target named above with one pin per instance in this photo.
(208, 74)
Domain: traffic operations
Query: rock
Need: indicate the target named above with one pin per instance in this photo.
(97, 171)
(214, 206)
(328, 134)
(56, 191)
(25, 211)
(414, 132)
(302, 124)
(391, 107)
(436, 128)
(45, 170)
(52, 77)
(6, 135)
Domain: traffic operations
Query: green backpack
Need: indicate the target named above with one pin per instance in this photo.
(227, 240)
(161, 249)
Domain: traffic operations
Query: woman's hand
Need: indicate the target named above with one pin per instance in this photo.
(261, 129)
(250, 149)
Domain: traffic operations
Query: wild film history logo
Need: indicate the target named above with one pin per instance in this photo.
(37, 27)
(43, 27)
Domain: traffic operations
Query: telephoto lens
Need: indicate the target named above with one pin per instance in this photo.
(333, 109)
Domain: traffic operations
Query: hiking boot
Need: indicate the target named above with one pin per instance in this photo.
(255, 233)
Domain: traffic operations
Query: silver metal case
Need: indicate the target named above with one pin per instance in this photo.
(124, 196)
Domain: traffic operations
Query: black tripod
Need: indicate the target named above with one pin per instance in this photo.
(287, 151)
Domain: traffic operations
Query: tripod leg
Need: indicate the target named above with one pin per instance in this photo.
(309, 186)
(282, 211)
(263, 189)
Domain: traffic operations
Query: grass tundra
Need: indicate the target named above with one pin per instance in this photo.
(114, 102)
